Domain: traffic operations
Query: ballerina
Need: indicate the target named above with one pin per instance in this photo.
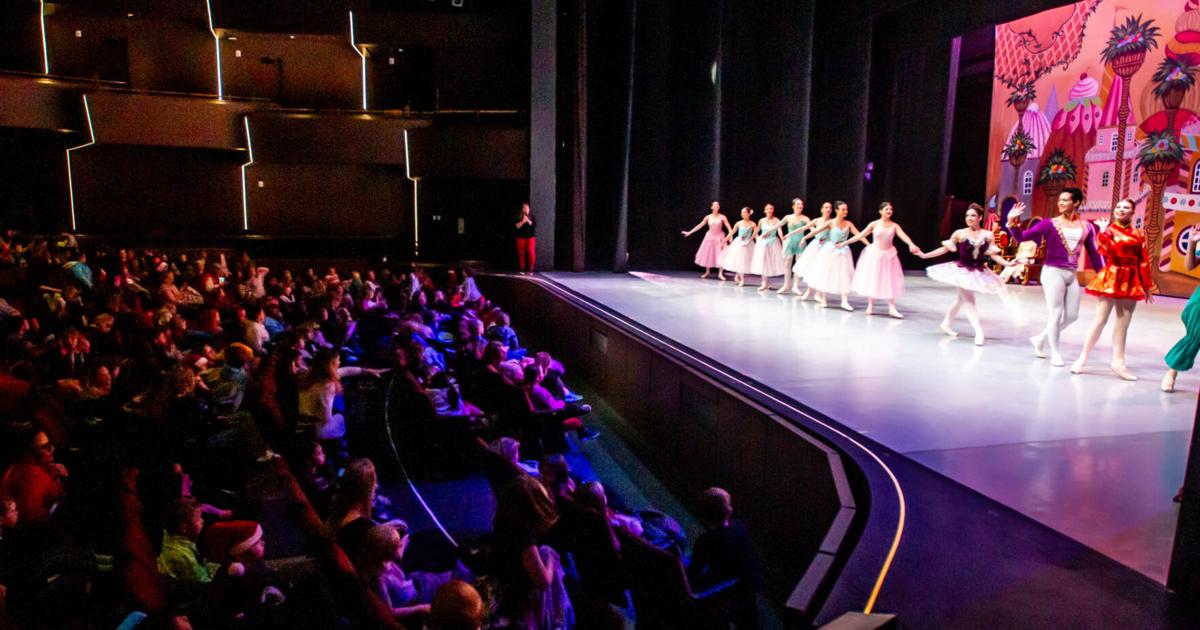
(736, 257)
(812, 251)
(793, 243)
(709, 254)
(768, 251)
(1066, 237)
(973, 246)
(833, 270)
(1124, 280)
(879, 275)
(1182, 355)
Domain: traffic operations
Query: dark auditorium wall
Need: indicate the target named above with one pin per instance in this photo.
(328, 199)
(321, 71)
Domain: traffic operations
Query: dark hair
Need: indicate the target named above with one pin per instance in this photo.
(178, 513)
(977, 208)
(1076, 194)
(839, 203)
(715, 506)
(884, 205)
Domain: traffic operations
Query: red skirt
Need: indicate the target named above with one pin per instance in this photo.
(1119, 282)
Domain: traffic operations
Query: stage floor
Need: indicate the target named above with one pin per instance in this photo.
(1089, 455)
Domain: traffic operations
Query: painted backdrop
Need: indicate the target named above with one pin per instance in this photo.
(1102, 95)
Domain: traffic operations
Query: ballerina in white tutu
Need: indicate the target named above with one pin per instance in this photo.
(812, 251)
(709, 254)
(768, 250)
(833, 270)
(736, 257)
(973, 247)
(879, 275)
(794, 225)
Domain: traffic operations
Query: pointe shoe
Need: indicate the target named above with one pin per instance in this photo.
(1168, 382)
(721, 277)
(797, 291)
(764, 287)
(1039, 346)
(804, 296)
(704, 275)
(846, 306)
(892, 312)
(1057, 361)
(868, 311)
(741, 283)
(1120, 370)
(979, 338)
(945, 327)
(1077, 366)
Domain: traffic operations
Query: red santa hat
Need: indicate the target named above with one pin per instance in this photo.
(229, 539)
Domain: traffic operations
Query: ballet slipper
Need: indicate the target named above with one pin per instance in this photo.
(781, 290)
(1168, 381)
(807, 294)
(979, 338)
(1120, 370)
(1039, 346)
(945, 327)
(870, 310)
(704, 276)
(846, 306)
(797, 291)
(1057, 361)
(721, 277)
(892, 312)
(741, 282)
(763, 287)
(1077, 367)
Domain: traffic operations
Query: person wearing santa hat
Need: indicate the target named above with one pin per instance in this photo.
(244, 587)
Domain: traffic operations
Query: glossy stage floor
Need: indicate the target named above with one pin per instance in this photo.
(1089, 455)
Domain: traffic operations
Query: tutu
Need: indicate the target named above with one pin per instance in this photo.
(807, 260)
(709, 254)
(737, 257)
(792, 244)
(981, 280)
(879, 275)
(833, 272)
(768, 258)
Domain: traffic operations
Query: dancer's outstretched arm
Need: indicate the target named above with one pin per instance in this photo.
(699, 225)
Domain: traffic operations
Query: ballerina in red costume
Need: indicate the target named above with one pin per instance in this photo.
(1124, 280)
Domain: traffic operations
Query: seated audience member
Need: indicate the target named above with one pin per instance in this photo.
(318, 388)
(244, 588)
(457, 606)
(228, 382)
(724, 553)
(530, 574)
(504, 334)
(254, 330)
(35, 480)
(406, 595)
(541, 400)
(445, 397)
(352, 511)
(308, 462)
(179, 561)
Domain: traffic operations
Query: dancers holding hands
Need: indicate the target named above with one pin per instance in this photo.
(879, 275)
(738, 254)
(793, 243)
(768, 250)
(709, 254)
(833, 270)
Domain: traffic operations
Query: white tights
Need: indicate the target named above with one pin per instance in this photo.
(1061, 289)
(1104, 308)
(965, 300)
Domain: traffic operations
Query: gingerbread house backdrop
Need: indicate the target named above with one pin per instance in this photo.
(1104, 95)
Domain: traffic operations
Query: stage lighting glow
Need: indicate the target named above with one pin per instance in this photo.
(217, 41)
(87, 112)
(416, 200)
(245, 198)
(363, 57)
(45, 49)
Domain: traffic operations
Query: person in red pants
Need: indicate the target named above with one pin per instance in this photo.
(526, 242)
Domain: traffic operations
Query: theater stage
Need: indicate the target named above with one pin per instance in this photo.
(1089, 455)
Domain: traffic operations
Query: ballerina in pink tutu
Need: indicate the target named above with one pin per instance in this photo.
(879, 275)
(833, 270)
(709, 254)
(739, 253)
(973, 246)
(768, 250)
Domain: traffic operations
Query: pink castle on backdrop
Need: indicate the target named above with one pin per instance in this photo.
(1101, 159)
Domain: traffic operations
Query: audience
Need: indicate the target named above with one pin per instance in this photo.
(194, 369)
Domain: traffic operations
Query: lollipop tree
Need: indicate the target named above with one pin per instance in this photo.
(1058, 170)
(1159, 157)
(1016, 150)
(1126, 51)
(1172, 80)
